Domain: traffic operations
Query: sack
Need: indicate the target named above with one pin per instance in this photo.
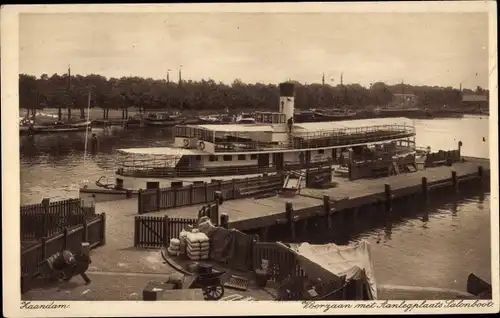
(174, 248)
(175, 242)
(172, 252)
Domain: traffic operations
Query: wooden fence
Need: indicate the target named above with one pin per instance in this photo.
(92, 231)
(156, 231)
(48, 218)
(282, 262)
(198, 193)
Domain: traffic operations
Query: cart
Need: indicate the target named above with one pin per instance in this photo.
(209, 282)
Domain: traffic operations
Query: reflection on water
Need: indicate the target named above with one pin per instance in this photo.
(438, 246)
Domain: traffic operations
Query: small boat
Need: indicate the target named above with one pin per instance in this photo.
(134, 122)
(161, 120)
(334, 115)
(412, 113)
(57, 127)
(245, 119)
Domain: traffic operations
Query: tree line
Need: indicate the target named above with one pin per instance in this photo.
(63, 91)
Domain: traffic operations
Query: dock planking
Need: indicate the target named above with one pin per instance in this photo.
(251, 213)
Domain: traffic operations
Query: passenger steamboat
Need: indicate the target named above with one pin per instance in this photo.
(273, 144)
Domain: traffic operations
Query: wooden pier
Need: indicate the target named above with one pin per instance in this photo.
(258, 214)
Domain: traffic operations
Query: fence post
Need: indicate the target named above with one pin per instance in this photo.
(191, 193)
(166, 237)
(264, 232)
(158, 199)
(454, 180)
(136, 231)
(103, 229)
(224, 220)
(85, 230)
(174, 189)
(139, 202)
(289, 217)
(388, 197)
(45, 227)
(65, 241)
(43, 240)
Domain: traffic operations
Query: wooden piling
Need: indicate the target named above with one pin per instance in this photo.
(224, 220)
(289, 217)
(454, 180)
(388, 197)
(480, 173)
(326, 207)
(425, 194)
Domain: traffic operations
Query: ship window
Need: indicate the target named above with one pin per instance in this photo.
(227, 157)
(242, 157)
(253, 157)
(321, 151)
(197, 158)
(213, 158)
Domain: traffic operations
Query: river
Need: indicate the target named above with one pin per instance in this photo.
(439, 252)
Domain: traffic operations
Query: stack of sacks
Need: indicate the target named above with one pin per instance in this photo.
(182, 239)
(174, 248)
(205, 225)
(198, 245)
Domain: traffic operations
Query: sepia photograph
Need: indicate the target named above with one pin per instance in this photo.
(323, 159)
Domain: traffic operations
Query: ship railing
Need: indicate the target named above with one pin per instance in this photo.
(186, 131)
(147, 163)
(215, 172)
(358, 131)
(240, 146)
(331, 138)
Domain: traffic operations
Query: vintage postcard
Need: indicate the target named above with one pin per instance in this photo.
(250, 159)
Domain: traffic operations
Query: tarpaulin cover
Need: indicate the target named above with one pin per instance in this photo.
(231, 247)
(330, 262)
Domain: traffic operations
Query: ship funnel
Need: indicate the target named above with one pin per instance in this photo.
(287, 95)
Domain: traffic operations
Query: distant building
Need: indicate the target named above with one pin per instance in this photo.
(475, 101)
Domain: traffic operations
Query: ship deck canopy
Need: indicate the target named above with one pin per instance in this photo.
(162, 151)
(331, 262)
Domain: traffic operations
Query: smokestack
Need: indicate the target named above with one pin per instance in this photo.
(287, 96)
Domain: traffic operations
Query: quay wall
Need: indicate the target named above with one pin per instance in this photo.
(331, 212)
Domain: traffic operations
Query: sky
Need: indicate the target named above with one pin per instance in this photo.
(443, 49)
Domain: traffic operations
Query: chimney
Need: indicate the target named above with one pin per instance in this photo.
(287, 96)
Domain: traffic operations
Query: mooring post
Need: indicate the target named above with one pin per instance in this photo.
(224, 220)
(388, 197)
(480, 172)
(289, 218)
(326, 207)
(454, 180)
(425, 197)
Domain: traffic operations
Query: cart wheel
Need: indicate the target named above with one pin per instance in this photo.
(213, 292)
